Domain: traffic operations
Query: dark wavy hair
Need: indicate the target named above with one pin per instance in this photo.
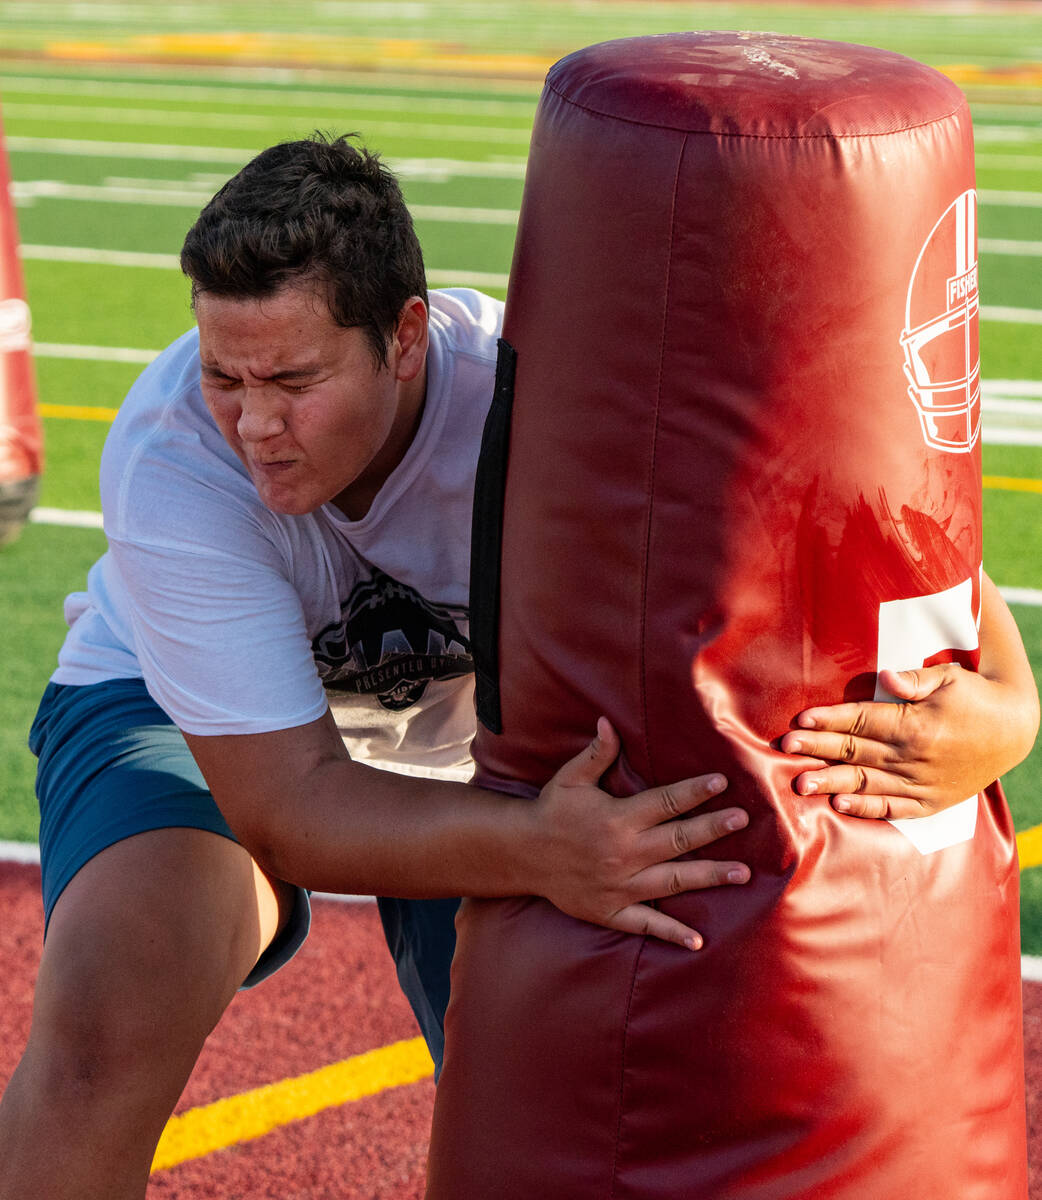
(320, 211)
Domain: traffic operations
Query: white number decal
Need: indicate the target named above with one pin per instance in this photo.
(910, 632)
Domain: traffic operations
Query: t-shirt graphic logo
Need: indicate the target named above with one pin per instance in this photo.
(940, 338)
(390, 643)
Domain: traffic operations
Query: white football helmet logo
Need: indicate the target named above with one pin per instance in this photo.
(941, 337)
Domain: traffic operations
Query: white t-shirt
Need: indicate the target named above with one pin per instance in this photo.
(241, 620)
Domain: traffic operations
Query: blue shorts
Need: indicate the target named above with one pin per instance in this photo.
(112, 764)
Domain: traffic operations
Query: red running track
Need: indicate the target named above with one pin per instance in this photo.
(338, 998)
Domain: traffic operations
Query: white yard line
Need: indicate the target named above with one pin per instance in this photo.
(1030, 597)
(100, 258)
(121, 354)
(436, 277)
(474, 279)
(69, 517)
(1014, 316)
(1009, 199)
(132, 258)
(1008, 246)
(1012, 387)
(28, 192)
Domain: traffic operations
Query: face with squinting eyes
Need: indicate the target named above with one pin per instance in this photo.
(301, 400)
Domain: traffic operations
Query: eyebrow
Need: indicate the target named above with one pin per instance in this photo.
(294, 373)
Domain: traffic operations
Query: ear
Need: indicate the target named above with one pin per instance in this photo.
(411, 335)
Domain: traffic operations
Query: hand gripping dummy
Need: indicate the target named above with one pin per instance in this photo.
(743, 476)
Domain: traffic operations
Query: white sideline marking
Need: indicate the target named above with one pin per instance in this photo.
(20, 852)
(29, 852)
(121, 354)
(79, 518)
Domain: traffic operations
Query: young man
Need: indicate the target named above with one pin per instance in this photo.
(280, 626)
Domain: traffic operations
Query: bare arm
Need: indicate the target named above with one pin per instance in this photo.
(311, 815)
(959, 732)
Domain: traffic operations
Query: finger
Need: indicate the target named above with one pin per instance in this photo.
(857, 805)
(593, 760)
(840, 748)
(642, 919)
(670, 839)
(661, 804)
(854, 779)
(878, 721)
(878, 807)
(913, 685)
(690, 875)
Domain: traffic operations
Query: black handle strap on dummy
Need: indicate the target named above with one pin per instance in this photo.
(487, 541)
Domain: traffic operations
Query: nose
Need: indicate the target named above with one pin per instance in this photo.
(261, 415)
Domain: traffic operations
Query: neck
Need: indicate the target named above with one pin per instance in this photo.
(357, 499)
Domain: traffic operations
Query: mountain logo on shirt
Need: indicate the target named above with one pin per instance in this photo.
(390, 643)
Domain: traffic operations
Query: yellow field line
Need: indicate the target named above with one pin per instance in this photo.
(77, 412)
(1007, 483)
(227, 1122)
(201, 1131)
(1029, 847)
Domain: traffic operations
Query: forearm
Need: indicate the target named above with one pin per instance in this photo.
(309, 814)
(369, 831)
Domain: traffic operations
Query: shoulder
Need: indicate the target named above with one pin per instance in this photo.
(159, 394)
(164, 454)
(466, 321)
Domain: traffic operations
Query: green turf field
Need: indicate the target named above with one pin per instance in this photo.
(122, 118)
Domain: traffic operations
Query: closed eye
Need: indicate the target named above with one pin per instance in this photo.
(216, 379)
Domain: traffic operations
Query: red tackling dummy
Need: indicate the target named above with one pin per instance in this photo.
(744, 476)
(21, 437)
